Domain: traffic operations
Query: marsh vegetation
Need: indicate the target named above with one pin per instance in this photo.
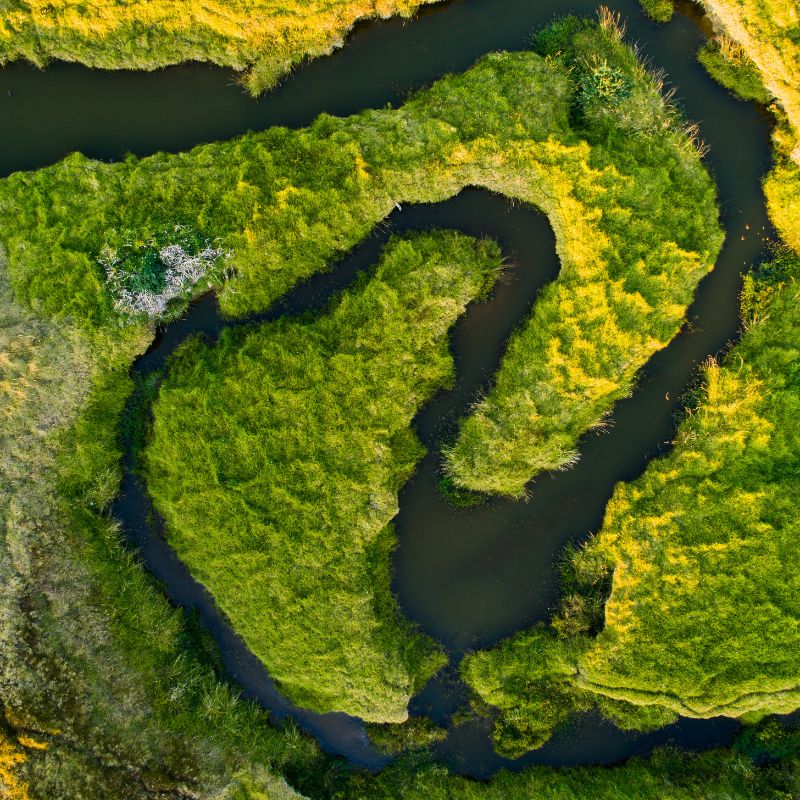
(578, 129)
(124, 701)
(262, 38)
(276, 458)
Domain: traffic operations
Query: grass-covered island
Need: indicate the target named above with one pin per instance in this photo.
(107, 691)
(263, 38)
(276, 458)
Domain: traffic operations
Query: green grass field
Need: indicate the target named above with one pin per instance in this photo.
(262, 38)
(631, 204)
(276, 459)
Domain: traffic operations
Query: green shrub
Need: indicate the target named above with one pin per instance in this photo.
(659, 10)
(603, 85)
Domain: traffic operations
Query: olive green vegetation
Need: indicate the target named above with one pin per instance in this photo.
(527, 679)
(262, 38)
(96, 665)
(416, 734)
(702, 615)
(580, 130)
(280, 499)
(659, 10)
(729, 65)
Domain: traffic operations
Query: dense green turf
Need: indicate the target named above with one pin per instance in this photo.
(276, 458)
(94, 659)
(266, 38)
(705, 602)
(582, 132)
(702, 617)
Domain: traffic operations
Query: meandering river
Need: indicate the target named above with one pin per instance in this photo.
(468, 576)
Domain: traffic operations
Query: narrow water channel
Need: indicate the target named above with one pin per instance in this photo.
(469, 577)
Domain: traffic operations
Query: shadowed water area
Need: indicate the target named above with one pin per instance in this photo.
(468, 576)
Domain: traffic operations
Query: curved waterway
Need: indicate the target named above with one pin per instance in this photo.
(469, 576)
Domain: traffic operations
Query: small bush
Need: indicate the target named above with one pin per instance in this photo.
(604, 85)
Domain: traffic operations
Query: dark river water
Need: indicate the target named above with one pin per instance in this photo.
(468, 576)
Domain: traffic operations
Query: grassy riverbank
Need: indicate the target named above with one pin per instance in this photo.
(767, 35)
(667, 775)
(580, 131)
(704, 607)
(276, 459)
(96, 668)
(756, 54)
(121, 688)
(263, 39)
(702, 614)
(768, 31)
